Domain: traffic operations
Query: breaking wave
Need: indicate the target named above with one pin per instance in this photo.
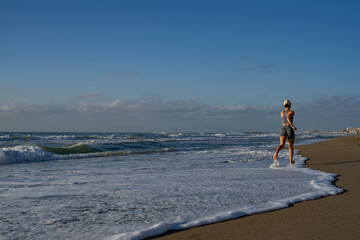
(38, 153)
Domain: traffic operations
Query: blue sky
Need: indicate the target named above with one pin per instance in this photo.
(178, 65)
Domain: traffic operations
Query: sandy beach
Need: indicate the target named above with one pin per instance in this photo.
(332, 217)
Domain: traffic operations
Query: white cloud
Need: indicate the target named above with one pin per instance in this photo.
(115, 104)
(157, 114)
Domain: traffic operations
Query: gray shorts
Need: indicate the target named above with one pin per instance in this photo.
(287, 131)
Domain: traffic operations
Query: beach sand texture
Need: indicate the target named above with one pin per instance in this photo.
(332, 217)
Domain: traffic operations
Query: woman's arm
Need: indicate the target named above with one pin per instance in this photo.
(289, 119)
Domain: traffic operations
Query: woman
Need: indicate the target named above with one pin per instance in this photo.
(287, 130)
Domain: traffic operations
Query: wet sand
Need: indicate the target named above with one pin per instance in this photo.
(332, 217)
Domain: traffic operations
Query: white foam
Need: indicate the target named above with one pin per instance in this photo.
(322, 185)
(219, 135)
(5, 137)
(145, 233)
(56, 137)
(24, 153)
(275, 164)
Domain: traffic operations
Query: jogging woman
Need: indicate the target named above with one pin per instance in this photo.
(287, 131)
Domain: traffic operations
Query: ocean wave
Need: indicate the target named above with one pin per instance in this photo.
(73, 149)
(38, 153)
(24, 153)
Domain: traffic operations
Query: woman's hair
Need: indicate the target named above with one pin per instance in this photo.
(287, 103)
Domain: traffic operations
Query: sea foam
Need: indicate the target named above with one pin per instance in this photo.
(322, 184)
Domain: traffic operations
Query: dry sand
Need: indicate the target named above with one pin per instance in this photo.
(332, 217)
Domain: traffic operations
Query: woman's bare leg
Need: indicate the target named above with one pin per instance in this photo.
(281, 146)
(291, 150)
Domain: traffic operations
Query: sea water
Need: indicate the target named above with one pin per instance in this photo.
(136, 185)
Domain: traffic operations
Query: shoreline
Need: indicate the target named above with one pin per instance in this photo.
(312, 219)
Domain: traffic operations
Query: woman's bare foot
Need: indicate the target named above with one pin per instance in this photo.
(292, 162)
